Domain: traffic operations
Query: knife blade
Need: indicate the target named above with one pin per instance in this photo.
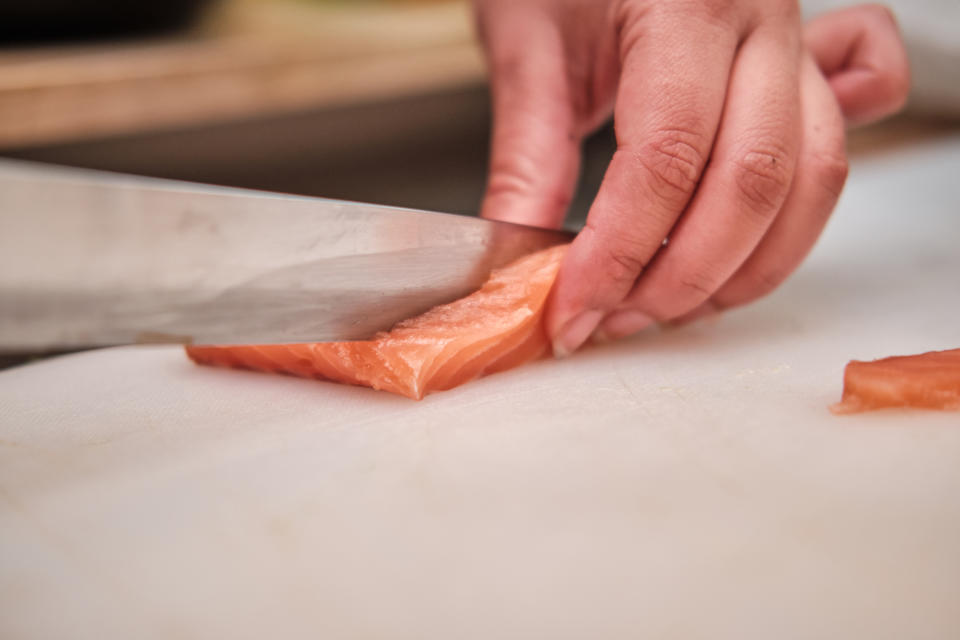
(91, 258)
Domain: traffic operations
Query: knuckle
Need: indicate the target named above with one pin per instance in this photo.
(509, 182)
(762, 177)
(830, 171)
(674, 160)
(697, 286)
(765, 281)
(623, 265)
(750, 284)
(666, 295)
(511, 186)
(622, 258)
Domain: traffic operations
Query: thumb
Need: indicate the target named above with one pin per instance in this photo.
(535, 149)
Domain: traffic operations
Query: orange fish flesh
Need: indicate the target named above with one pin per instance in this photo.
(926, 381)
(498, 327)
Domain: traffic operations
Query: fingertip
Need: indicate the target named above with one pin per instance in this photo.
(861, 52)
(575, 332)
(598, 272)
(621, 324)
(867, 96)
(567, 299)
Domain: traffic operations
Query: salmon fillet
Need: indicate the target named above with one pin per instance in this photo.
(498, 327)
(927, 381)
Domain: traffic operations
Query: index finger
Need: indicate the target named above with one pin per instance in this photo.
(672, 90)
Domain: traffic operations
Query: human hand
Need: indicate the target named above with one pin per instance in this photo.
(730, 141)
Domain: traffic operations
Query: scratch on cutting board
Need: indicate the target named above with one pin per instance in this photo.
(641, 403)
(630, 391)
(679, 392)
(766, 371)
(110, 439)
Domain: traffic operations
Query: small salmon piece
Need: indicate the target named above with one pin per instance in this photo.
(498, 327)
(926, 381)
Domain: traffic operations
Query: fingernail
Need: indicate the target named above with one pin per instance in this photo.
(624, 323)
(576, 332)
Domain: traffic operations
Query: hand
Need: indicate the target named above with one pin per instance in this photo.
(730, 143)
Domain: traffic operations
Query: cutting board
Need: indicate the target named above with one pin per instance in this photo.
(684, 484)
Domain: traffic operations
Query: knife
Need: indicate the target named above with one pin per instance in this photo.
(90, 258)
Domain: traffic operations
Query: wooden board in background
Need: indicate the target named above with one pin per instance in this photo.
(248, 59)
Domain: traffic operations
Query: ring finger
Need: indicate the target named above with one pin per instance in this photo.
(742, 191)
(820, 176)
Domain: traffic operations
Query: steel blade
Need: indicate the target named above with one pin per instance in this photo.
(91, 259)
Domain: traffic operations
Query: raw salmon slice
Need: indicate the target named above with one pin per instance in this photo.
(498, 327)
(927, 381)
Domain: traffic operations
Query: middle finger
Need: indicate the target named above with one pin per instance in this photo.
(742, 190)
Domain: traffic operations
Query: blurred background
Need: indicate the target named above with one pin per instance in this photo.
(381, 101)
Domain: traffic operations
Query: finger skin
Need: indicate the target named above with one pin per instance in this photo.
(821, 173)
(861, 52)
(862, 41)
(742, 191)
(535, 145)
(673, 86)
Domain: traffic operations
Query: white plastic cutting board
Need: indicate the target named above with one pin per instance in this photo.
(686, 484)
